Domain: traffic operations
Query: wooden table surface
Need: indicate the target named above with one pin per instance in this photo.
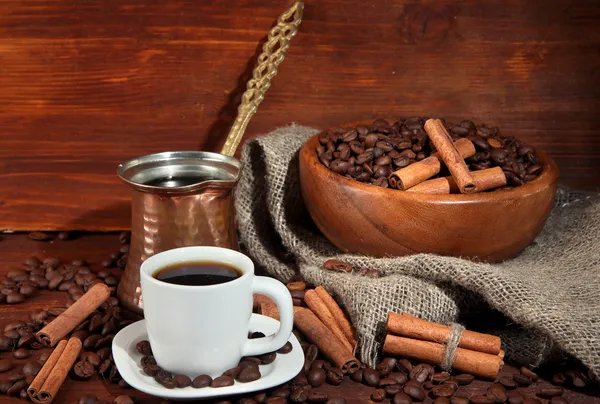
(15, 248)
(88, 84)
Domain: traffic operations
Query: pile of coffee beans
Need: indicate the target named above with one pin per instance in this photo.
(370, 153)
(245, 372)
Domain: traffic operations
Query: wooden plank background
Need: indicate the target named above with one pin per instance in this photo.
(85, 85)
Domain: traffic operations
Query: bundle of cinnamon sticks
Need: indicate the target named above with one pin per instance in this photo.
(45, 386)
(323, 323)
(414, 338)
(416, 177)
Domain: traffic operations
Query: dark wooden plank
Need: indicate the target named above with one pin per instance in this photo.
(94, 248)
(85, 85)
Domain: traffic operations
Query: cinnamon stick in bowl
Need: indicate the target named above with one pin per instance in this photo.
(416, 173)
(451, 156)
(489, 178)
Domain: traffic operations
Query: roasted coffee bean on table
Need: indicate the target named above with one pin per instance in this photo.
(370, 153)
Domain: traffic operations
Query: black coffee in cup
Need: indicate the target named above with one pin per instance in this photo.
(198, 273)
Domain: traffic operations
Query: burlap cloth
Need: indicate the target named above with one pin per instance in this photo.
(549, 296)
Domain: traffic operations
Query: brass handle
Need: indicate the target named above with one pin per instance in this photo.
(269, 60)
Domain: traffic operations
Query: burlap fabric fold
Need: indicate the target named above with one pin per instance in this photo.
(548, 297)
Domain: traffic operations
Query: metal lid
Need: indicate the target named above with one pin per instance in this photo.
(180, 172)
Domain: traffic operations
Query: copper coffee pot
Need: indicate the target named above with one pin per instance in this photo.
(185, 198)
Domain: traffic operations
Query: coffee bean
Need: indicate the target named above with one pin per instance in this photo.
(90, 342)
(233, 372)
(182, 381)
(532, 401)
(439, 378)
(336, 400)
(287, 348)
(144, 348)
(83, 370)
(497, 393)
(481, 400)
(548, 391)
(55, 281)
(316, 377)
(419, 373)
(459, 400)
(558, 400)
(334, 376)
(414, 391)
(507, 382)
(106, 364)
(443, 391)
(13, 335)
(559, 379)
(247, 400)
(522, 380)
(402, 398)
(393, 389)
(16, 388)
(311, 352)
(249, 374)
(529, 373)
(317, 397)
(21, 353)
(299, 395)
(441, 400)
(281, 392)
(371, 377)
(6, 343)
(222, 381)
(357, 376)
(386, 366)
(26, 340)
(5, 365)
(577, 378)
(387, 382)
(268, 358)
(5, 385)
(31, 368)
(401, 378)
(378, 395)
(39, 236)
(14, 298)
(123, 400)
(168, 383)
(276, 400)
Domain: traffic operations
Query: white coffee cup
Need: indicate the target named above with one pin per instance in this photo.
(195, 330)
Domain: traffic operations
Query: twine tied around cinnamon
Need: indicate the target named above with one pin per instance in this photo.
(456, 331)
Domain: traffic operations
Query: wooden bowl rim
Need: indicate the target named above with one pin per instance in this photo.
(547, 179)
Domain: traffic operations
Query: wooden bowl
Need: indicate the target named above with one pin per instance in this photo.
(365, 219)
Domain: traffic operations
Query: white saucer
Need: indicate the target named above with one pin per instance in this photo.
(127, 358)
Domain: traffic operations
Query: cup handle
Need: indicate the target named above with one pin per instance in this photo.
(281, 295)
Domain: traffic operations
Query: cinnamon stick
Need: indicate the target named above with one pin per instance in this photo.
(418, 172)
(412, 327)
(44, 372)
(489, 178)
(338, 314)
(58, 374)
(465, 360)
(73, 316)
(317, 305)
(317, 333)
(450, 155)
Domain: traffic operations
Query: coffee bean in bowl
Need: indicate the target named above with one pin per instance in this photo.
(343, 202)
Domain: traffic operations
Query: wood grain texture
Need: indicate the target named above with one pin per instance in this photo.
(94, 248)
(85, 85)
